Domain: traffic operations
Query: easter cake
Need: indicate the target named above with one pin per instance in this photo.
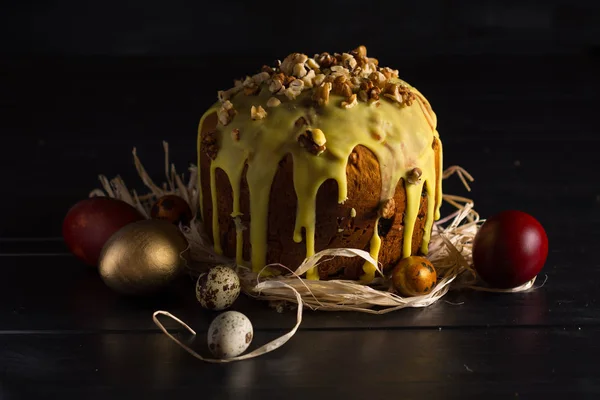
(332, 151)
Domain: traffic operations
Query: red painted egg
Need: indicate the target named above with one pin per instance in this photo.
(91, 222)
(510, 249)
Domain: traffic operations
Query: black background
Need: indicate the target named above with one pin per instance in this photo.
(179, 28)
(85, 82)
(514, 84)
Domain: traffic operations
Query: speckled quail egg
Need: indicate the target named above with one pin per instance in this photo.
(218, 288)
(229, 334)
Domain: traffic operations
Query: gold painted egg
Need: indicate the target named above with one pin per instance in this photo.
(143, 257)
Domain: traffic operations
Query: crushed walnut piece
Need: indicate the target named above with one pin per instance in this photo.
(251, 90)
(391, 92)
(407, 95)
(294, 89)
(208, 144)
(319, 79)
(321, 95)
(313, 65)
(257, 113)
(235, 134)
(288, 64)
(389, 73)
(387, 208)
(299, 71)
(341, 86)
(226, 112)
(309, 79)
(350, 102)
(325, 60)
(260, 77)
(313, 140)
(273, 102)
(374, 94)
(414, 175)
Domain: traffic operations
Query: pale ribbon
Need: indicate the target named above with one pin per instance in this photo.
(264, 349)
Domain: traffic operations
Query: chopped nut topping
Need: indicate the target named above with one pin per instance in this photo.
(312, 64)
(288, 80)
(339, 69)
(309, 78)
(299, 71)
(360, 51)
(387, 208)
(318, 79)
(349, 61)
(248, 82)
(374, 94)
(208, 144)
(273, 102)
(363, 96)
(414, 175)
(251, 90)
(350, 102)
(313, 141)
(391, 92)
(235, 135)
(267, 69)
(341, 87)
(294, 89)
(257, 113)
(378, 79)
(325, 60)
(366, 84)
(389, 73)
(321, 95)
(226, 112)
(351, 75)
(276, 83)
(287, 66)
(260, 77)
(319, 137)
(340, 79)
(225, 95)
(407, 95)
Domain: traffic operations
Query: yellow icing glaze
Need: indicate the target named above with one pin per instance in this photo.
(401, 138)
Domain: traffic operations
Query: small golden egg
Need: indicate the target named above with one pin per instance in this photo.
(143, 257)
(414, 276)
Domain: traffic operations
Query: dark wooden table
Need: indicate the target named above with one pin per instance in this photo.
(525, 127)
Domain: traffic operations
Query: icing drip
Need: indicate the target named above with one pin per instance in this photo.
(401, 138)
